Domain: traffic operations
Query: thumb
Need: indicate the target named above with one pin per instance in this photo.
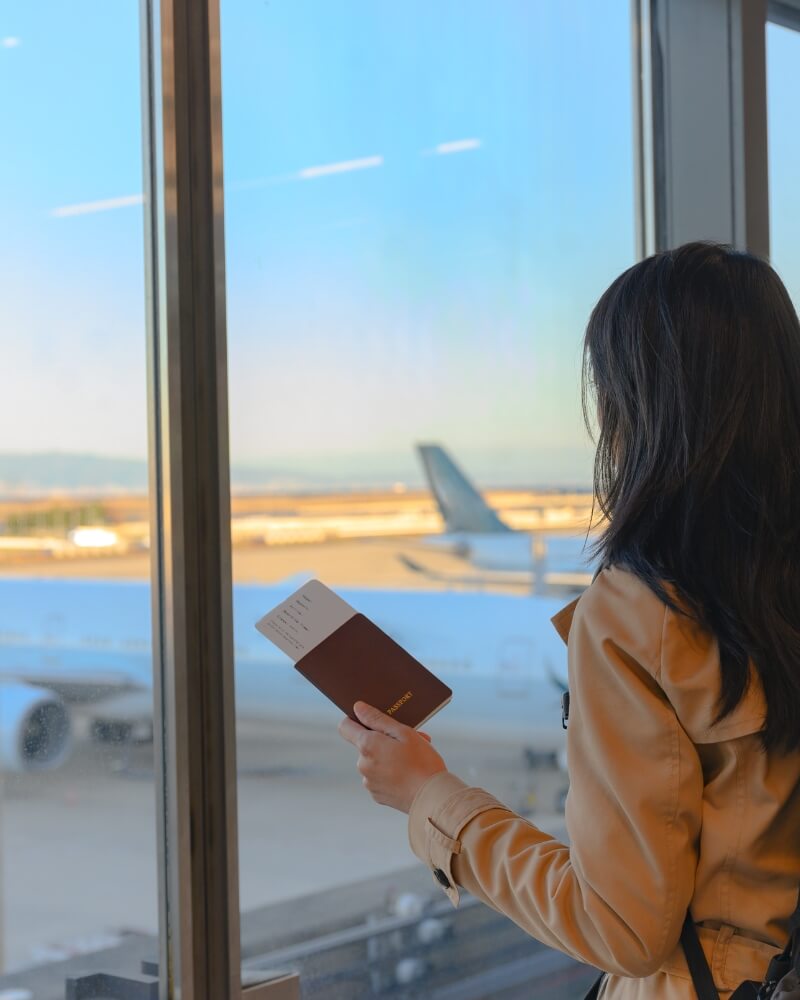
(425, 736)
(374, 719)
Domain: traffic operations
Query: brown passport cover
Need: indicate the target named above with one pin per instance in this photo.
(360, 662)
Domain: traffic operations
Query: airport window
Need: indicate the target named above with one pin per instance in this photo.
(423, 201)
(78, 889)
(783, 76)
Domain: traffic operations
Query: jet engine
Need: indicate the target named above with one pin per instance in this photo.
(35, 733)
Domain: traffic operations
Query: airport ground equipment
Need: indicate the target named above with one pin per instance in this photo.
(412, 946)
(103, 986)
(432, 952)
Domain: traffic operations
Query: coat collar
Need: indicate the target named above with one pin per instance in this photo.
(562, 620)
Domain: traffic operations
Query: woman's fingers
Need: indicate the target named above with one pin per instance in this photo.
(425, 735)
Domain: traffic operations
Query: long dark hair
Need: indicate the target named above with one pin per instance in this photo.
(692, 360)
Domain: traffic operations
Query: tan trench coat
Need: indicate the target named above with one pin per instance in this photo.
(665, 810)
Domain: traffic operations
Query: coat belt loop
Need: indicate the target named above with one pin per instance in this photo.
(719, 955)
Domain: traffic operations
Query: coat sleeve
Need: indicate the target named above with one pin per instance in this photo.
(617, 896)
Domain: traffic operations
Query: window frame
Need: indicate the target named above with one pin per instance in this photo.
(199, 950)
(701, 122)
(785, 13)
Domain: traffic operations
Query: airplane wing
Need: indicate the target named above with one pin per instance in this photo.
(504, 577)
(567, 581)
(79, 687)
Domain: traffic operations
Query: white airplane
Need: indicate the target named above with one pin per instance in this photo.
(475, 532)
(64, 643)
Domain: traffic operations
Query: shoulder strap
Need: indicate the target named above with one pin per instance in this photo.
(594, 992)
(696, 960)
(793, 946)
(794, 920)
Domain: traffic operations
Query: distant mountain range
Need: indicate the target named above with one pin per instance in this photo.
(49, 471)
(42, 473)
(46, 472)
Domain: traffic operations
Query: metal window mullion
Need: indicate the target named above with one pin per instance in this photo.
(748, 97)
(193, 668)
(786, 13)
(643, 135)
(705, 156)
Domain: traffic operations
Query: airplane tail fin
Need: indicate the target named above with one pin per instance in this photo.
(461, 505)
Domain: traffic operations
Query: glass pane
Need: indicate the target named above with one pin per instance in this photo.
(423, 202)
(783, 79)
(78, 890)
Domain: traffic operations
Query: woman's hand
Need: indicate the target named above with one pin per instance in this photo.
(394, 759)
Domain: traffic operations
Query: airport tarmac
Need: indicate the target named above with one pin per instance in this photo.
(79, 844)
(366, 562)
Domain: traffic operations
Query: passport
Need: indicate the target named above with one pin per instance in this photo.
(348, 658)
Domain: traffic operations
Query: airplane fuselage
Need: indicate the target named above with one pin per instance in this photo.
(90, 640)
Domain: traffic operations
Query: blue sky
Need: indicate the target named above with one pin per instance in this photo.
(423, 201)
(783, 119)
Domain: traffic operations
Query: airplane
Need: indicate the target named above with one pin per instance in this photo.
(71, 643)
(475, 532)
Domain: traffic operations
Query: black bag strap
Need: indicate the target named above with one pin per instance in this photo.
(794, 937)
(794, 920)
(696, 960)
(701, 974)
(594, 992)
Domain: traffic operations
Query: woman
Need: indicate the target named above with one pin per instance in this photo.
(684, 654)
